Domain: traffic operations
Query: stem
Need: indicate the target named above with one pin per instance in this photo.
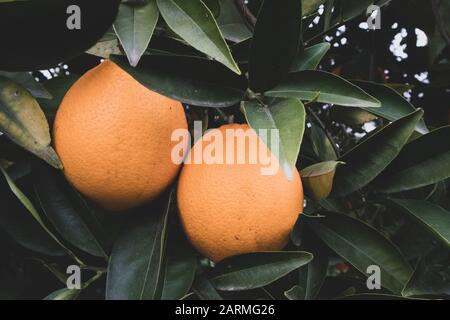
(248, 16)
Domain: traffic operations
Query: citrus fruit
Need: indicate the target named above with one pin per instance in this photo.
(232, 208)
(113, 136)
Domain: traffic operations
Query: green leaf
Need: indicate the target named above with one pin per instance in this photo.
(422, 162)
(362, 246)
(68, 211)
(178, 77)
(431, 277)
(256, 270)
(64, 294)
(24, 122)
(180, 268)
(26, 202)
(435, 219)
(370, 157)
(204, 289)
(319, 143)
(310, 58)
(26, 80)
(136, 261)
(285, 115)
(21, 226)
(275, 43)
(323, 87)
(58, 88)
(195, 23)
(351, 116)
(231, 23)
(134, 27)
(312, 276)
(393, 105)
(318, 179)
(295, 293)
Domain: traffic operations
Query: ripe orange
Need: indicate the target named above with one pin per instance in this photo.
(113, 136)
(231, 209)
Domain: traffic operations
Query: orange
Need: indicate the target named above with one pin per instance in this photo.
(113, 136)
(230, 209)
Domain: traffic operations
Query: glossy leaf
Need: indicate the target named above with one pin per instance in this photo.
(21, 226)
(351, 116)
(432, 217)
(285, 115)
(134, 27)
(26, 80)
(195, 23)
(422, 162)
(231, 23)
(322, 87)
(180, 268)
(68, 212)
(24, 122)
(363, 246)
(431, 277)
(137, 257)
(294, 293)
(318, 179)
(178, 77)
(204, 289)
(275, 43)
(255, 270)
(310, 57)
(370, 157)
(393, 105)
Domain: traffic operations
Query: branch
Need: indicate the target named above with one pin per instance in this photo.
(248, 16)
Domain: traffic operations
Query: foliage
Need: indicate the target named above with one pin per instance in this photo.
(380, 200)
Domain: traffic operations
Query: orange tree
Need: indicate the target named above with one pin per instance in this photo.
(375, 222)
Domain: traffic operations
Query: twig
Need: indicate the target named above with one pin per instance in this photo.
(248, 16)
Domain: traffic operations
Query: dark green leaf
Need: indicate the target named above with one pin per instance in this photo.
(285, 115)
(323, 87)
(422, 162)
(310, 58)
(257, 270)
(204, 289)
(432, 275)
(37, 37)
(68, 211)
(178, 77)
(362, 246)
(180, 268)
(24, 122)
(275, 43)
(134, 27)
(370, 157)
(195, 23)
(393, 106)
(434, 218)
(134, 269)
(231, 22)
(22, 227)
